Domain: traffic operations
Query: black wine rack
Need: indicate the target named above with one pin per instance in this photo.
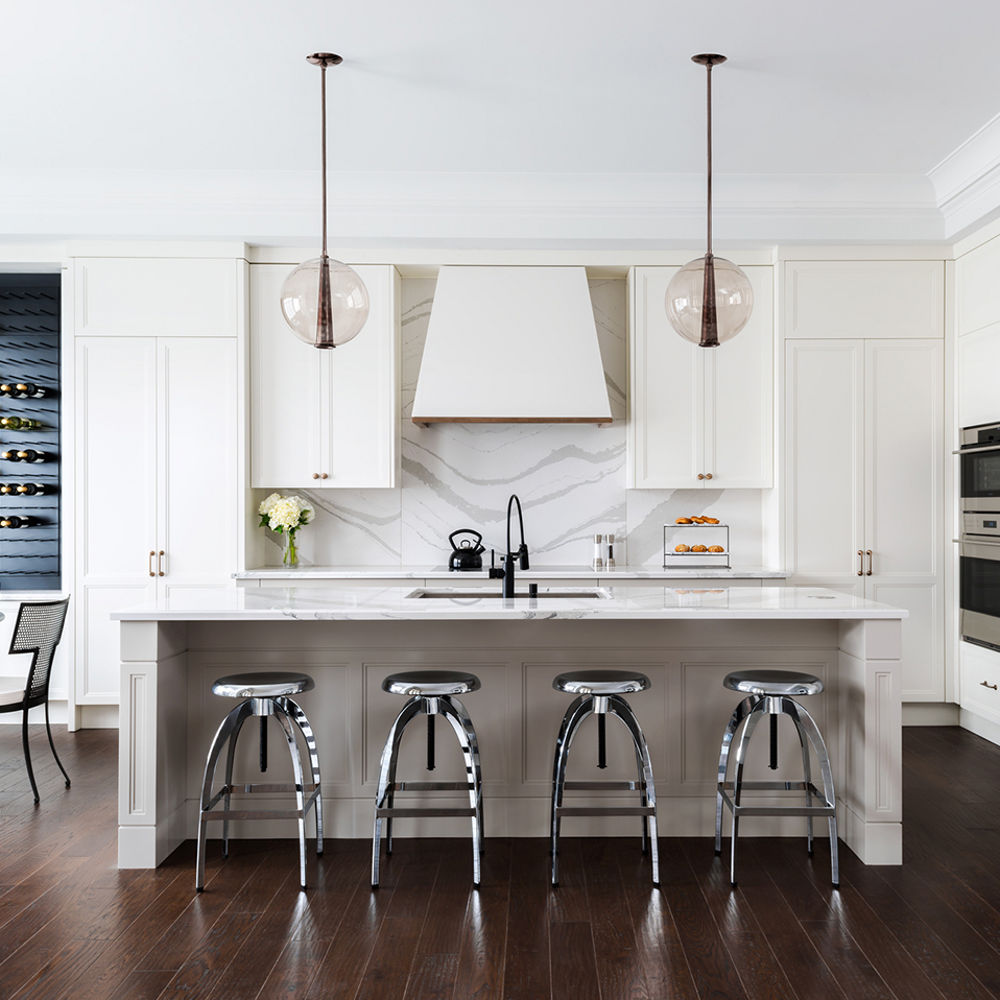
(29, 352)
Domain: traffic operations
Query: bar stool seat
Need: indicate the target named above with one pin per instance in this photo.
(770, 692)
(599, 692)
(264, 693)
(430, 693)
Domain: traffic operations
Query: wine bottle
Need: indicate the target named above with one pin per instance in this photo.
(30, 455)
(6, 388)
(12, 455)
(31, 489)
(19, 423)
(18, 521)
(8, 489)
(28, 390)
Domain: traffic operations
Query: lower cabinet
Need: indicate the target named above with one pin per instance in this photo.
(157, 454)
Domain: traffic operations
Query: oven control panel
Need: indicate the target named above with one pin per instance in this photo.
(982, 523)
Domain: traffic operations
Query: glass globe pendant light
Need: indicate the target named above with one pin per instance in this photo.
(324, 301)
(709, 299)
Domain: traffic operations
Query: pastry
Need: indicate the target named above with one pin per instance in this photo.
(698, 548)
(682, 548)
(683, 520)
(716, 548)
(697, 519)
(710, 520)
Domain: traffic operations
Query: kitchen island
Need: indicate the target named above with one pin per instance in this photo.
(348, 639)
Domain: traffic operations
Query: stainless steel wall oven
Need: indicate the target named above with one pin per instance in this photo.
(980, 458)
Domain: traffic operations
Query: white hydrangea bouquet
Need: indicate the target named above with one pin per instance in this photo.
(285, 515)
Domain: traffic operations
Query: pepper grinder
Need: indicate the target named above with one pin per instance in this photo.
(598, 554)
(609, 563)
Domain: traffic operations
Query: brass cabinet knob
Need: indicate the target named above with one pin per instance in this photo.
(708, 475)
(701, 476)
(315, 475)
(324, 476)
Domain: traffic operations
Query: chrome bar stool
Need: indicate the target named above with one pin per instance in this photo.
(431, 693)
(264, 694)
(600, 693)
(769, 692)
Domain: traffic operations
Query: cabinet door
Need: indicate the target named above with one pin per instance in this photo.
(667, 398)
(904, 499)
(116, 499)
(197, 452)
(286, 390)
(362, 393)
(978, 365)
(739, 427)
(824, 422)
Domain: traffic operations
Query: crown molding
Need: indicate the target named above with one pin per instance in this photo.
(469, 209)
(967, 181)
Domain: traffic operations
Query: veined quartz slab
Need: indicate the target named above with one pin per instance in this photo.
(395, 603)
(538, 573)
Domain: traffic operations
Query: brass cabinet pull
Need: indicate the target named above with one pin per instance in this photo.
(323, 475)
(151, 554)
(868, 552)
(708, 475)
(159, 562)
(992, 687)
(861, 563)
(701, 475)
(315, 475)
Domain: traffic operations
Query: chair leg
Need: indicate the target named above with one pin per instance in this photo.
(739, 714)
(230, 757)
(755, 715)
(27, 754)
(448, 709)
(477, 776)
(620, 708)
(806, 777)
(232, 721)
(386, 777)
(52, 745)
(578, 710)
(297, 716)
(803, 718)
(293, 750)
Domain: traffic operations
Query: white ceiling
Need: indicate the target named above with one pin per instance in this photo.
(209, 108)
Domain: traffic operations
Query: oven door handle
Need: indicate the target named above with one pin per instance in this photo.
(979, 548)
(977, 448)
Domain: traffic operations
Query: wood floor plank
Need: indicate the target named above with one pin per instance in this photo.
(526, 960)
(574, 964)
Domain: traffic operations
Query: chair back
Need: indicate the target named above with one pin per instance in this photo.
(38, 630)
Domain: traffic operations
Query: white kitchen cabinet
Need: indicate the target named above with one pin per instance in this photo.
(322, 419)
(157, 447)
(156, 296)
(976, 293)
(827, 299)
(864, 496)
(699, 418)
(979, 375)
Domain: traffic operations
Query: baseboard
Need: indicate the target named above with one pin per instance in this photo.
(917, 713)
(58, 714)
(985, 728)
(98, 716)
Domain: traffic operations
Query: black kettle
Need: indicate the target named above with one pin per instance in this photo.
(467, 554)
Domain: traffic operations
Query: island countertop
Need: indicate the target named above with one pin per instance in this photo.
(597, 603)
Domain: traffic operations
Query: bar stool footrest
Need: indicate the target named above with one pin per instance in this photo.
(623, 786)
(605, 811)
(404, 812)
(431, 786)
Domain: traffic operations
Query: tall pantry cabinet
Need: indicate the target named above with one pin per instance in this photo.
(157, 407)
(864, 444)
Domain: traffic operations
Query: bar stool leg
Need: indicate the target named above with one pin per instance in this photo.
(739, 714)
(806, 775)
(578, 710)
(387, 771)
(293, 750)
(234, 719)
(477, 775)
(230, 757)
(623, 710)
(447, 709)
(803, 718)
(753, 717)
(295, 713)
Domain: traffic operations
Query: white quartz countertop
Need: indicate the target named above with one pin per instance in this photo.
(401, 604)
(536, 573)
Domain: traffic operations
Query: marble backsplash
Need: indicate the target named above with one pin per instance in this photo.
(570, 478)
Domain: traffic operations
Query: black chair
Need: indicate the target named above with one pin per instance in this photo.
(38, 630)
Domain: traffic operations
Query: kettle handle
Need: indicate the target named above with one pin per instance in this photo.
(466, 531)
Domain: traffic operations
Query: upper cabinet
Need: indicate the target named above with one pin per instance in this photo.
(827, 299)
(698, 417)
(157, 297)
(978, 322)
(324, 418)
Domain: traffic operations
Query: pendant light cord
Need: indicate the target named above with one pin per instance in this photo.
(708, 77)
(323, 134)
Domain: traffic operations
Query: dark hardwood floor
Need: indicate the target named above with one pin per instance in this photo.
(73, 926)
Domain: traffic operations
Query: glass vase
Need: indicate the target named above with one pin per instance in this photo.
(290, 553)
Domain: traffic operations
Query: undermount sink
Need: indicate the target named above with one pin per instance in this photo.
(477, 593)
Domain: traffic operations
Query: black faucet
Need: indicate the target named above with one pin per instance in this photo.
(521, 555)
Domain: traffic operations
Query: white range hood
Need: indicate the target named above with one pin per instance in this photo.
(511, 345)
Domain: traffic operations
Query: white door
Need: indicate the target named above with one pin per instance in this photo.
(904, 500)
(198, 441)
(739, 424)
(824, 423)
(287, 379)
(116, 500)
(667, 398)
